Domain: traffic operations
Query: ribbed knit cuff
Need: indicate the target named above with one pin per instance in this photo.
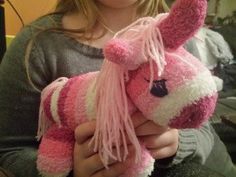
(187, 145)
(186, 149)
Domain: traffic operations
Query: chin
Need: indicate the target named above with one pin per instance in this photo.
(117, 4)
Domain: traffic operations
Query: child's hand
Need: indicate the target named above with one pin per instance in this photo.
(162, 142)
(87, 163)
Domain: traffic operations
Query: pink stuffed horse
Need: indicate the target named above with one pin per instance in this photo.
(145, 69)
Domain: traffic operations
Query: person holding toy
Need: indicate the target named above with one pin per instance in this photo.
(68, 43)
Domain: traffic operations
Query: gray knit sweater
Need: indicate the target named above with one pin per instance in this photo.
(54, 55)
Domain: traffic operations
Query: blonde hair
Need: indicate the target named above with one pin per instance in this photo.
(90, 11)
(92, 14)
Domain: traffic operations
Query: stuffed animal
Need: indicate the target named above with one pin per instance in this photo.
(145, 69)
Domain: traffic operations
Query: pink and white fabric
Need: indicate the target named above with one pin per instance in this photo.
(145, 69)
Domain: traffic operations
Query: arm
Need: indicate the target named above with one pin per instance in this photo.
(191, 144)
(185, 18)
(19, 161)
(194, 144)
(19, 104)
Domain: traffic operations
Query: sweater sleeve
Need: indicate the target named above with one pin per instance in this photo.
(194, 145)
(20, 162)
(19, 103)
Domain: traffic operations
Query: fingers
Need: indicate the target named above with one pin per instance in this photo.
(94, 163)
(117, 169)
(144, 127)
(138, 119)
(86, 166)
(87, 163)
(161, 141)
(84, 131)
(163, 153)
(86, 149)
(163, 145)
(98, 164)
(150, 128)
(158, 141)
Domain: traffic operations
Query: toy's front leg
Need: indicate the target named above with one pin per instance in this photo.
(144, 168)
(55, 154)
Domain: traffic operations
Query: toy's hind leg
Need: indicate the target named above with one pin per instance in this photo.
(55, 154)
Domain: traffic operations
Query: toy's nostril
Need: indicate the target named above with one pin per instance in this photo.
(159, 88)
(60, 80)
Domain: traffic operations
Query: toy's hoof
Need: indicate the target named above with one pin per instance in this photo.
(52, 167)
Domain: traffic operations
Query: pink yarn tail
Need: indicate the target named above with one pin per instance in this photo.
(44, 122)
(114, 124)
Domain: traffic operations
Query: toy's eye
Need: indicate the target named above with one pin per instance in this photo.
(59, 80)
(159, 88)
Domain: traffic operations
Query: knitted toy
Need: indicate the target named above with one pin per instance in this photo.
(145, 69)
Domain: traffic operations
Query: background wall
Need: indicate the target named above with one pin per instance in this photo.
(28, 10)
(225, 7)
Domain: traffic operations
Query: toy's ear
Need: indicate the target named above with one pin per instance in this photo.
(120, 52)
(184, 20)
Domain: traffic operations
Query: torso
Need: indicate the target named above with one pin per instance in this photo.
(76, 21)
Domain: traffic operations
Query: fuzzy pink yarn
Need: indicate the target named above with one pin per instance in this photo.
(192, 115)
(145, 69)
(124, 52)
(55, 151)
(174, 31)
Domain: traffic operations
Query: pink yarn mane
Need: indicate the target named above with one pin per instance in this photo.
(114, 122)
(146, 69)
